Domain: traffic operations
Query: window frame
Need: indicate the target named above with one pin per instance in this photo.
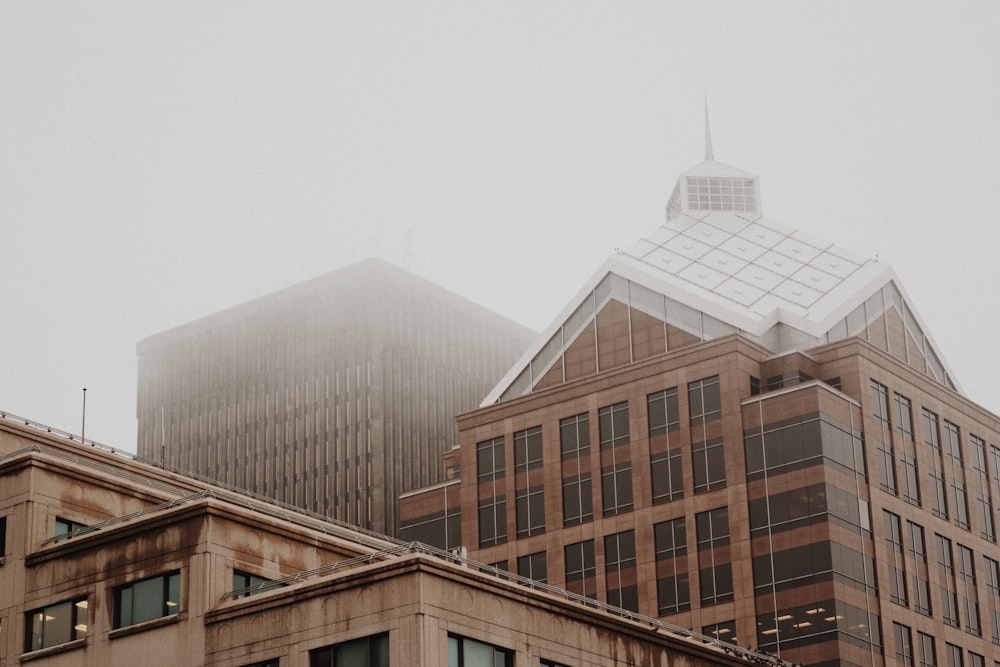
(171, 585)
(326, 656)
(75, 631)
(460, 645)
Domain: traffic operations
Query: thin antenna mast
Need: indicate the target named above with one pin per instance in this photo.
(163, 438)
(83, 421)
(709, 153)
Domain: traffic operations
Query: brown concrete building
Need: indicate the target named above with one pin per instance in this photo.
(743, 430)
(333, 395)
(108, 562)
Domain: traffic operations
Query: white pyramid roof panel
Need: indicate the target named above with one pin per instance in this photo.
(662, 234)
(761, 235)
(812, 277)
(835, 264)
(727, 221)
(665, 261)
(687, 247)
(797, 293)
(795, 248)
(739, 291)
(759, 277)
(742, 248)
(778, 263)
(703, 276)
(720, 260)
(706, 233)
(641, 248)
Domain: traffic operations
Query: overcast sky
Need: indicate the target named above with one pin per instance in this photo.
(162, 161)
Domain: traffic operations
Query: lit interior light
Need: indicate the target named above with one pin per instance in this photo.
(770, 632)
(803, 624)
(80, 628)
(817, 610)
(171, 603)
(786, 617)
(723, 631)
(49, 618)
(82, 604)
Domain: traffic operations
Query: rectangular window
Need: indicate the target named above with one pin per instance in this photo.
(574, 436)
(529, 497)
(574, 442)
(490, 460)
(464, 652)
(897, 563)
(55, 624)
(549, 663)
(65, 526)
(616, 488)
(668, 476)
(578, 502)
(715, 572)
(491, 469)
(666, 468)
(613, 425)
(953, 654)
(723, 632)
(708, 462)
(581, 571)
(530, 511)
(991, 568)
(911, 480)
(921, 595)
(663, 412)
(984, 498)
(886, 468)
(364, 652)
(928, 655)
(904, 417)
(880, 403)
(3, 537)
(960, 502)
(932, 437)
(939, 500)
(273, 662)
(946, 576)
(917, 546)
(673, 588)
(533, 566)
(492, 521)
(953, 442)
(250, 584)
(528, 449)
(148, 599)
(967, 587)
(704, 400)
(620, 570)
(904, 644)
(995, 464)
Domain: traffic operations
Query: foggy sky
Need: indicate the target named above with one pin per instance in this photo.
(162, 161)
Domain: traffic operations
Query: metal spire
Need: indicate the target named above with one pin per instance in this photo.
(709, 153)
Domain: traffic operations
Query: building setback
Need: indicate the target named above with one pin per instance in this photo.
(740, 429)
(108, 562)
(333, 395)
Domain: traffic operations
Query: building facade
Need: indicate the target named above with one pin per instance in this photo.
(107, 561)
(743, 430)
(333, 395)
